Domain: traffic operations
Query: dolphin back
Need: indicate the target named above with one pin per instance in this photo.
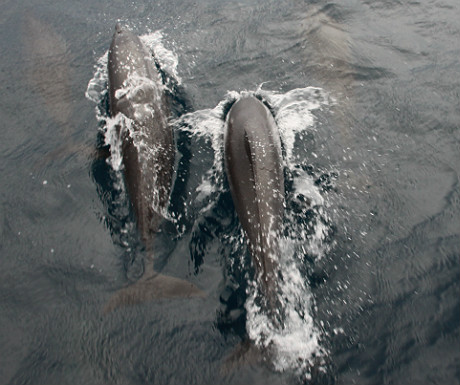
(253, 162)
(136, 91)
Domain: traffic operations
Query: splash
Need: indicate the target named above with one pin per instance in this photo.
(297, 346)
(167, 59)
(97, 86)
(294, 113)
(209, 125)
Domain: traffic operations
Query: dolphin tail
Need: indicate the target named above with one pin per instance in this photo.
(152, 286)
(245, 354)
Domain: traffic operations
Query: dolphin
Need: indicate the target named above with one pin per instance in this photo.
(48, 69)
(137, 92)
(49, 74)
(254, 168)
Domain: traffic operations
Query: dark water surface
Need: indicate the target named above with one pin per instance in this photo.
(382, 277)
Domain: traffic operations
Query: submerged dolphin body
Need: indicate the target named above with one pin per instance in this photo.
(253, 162)
(48, 69)
(136, 91)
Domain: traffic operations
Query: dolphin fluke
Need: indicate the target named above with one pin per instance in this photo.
(246, 353)
(152, 286)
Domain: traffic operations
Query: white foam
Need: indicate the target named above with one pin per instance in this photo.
(295, 347)
(97, 86)
(294, 112)
(304, 184)
(209, 125)
(167, 59)
(317, 230)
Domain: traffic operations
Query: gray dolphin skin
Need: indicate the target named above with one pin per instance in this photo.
(253, 162)
(148, 149)
(136, 91)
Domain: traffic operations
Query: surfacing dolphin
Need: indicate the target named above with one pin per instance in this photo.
(253, 162)
(136, 92)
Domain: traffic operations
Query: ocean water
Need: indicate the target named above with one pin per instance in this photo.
(366, 98)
